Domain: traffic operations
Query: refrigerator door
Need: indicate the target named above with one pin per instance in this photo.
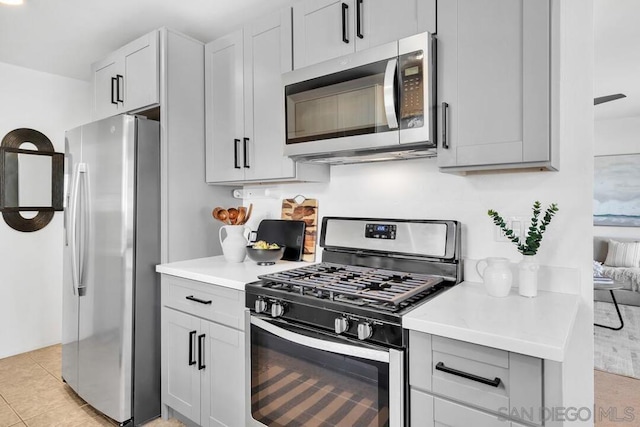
(106, 266)
(72, 158)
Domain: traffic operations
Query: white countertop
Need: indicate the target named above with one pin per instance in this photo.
(217, 271)
(538, 327)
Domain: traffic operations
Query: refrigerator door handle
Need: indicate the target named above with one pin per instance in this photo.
(85, 235)
(74, 228)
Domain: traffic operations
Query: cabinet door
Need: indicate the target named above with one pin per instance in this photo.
(224, 108)
(322, 29)
(383, 21)
(493, 63)
(105, 86)
(267, 54)
(223, 386)
(141, 72)
(181, 382)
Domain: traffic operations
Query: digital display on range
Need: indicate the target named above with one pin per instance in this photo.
(380, 231)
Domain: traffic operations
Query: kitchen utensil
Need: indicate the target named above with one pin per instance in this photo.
(496, 275)
(284, 233)
(265, 256)
(246, 218)
(242, 212)
(233, 215)
(303, 209)
(222, 215)
(234, 245)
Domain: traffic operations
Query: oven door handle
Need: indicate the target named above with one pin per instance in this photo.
(318, 344)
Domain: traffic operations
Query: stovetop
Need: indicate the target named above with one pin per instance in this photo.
(360, 286)
(373, 272)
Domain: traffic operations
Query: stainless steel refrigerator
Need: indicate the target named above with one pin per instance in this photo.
(111, 294)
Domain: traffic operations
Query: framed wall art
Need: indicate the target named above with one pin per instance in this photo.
(616, 190)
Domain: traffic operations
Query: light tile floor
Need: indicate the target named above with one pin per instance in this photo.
(33, 394)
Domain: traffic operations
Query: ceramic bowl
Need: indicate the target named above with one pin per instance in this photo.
(265, 256)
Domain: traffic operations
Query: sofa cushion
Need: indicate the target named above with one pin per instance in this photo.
(623, 254)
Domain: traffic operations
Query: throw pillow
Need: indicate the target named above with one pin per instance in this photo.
(623, 254)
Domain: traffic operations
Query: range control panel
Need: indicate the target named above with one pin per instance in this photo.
(380, 231)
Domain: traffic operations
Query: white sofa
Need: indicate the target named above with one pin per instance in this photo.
(626, 276)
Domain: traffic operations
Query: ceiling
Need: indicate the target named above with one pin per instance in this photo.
(65, 36)
(617, 57)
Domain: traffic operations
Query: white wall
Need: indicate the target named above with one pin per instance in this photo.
(31, 263)
(617, 136)
(416, 189)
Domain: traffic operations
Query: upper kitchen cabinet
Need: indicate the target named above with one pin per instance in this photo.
(128, 79)
(326, 29)
(245, 126)
(493, 86)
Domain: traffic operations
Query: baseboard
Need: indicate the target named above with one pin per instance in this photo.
(622, 296)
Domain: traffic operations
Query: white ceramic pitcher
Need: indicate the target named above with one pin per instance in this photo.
(234, 246)
(496, 275)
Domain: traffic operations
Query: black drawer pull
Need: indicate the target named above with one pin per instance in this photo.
(192, 335)
(493, 383)
(201, 364)
(201, 301)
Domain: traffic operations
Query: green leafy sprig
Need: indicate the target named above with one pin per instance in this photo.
(537, 228)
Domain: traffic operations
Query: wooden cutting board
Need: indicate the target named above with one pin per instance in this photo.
(307, 211)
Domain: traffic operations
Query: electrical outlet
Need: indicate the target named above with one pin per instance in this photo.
(255, 193)
(514, 223)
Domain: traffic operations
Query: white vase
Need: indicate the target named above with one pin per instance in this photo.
(234, 246)
(528, 276)
(496, 276)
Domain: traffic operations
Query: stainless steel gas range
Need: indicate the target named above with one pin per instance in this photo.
(327, 344)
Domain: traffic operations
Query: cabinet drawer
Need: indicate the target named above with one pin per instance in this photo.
(211, 302)
(480, 376)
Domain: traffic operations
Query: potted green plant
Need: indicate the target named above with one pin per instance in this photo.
(529, 245)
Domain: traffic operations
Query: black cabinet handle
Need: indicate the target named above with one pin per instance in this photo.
(201, 301)
(201, 365)
(493, 383)
(192, 335)
(120, 77)
(345, 11)
(359, 19)
(246, 152)
(445, 108)
(236, 143)
(114, 81)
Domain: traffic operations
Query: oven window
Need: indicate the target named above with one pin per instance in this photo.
(293, 385)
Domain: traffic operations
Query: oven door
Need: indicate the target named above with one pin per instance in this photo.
(300, 376)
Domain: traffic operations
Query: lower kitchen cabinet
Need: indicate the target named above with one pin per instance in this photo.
(459, 384)
(202, 360)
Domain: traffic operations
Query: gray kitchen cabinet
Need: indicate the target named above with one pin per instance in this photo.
(493, 86)
(245, 126)
(326, 29)
(203, 349)
(127, 79)
(457, 384)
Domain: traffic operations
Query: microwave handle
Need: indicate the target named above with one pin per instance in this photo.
(389, 95)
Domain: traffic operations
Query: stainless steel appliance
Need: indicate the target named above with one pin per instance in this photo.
(327, 344)
(370, 105)
(111, 318)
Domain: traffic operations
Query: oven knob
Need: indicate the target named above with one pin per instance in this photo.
(261, 306)
(364, 331)
(277, 309)
(341, 325)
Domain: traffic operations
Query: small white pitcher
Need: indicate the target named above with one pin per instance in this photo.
(496, 275)
(234, 246)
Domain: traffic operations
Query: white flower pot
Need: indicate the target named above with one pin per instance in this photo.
(528, 276)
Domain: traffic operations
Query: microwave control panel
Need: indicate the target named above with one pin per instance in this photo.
(412, 95)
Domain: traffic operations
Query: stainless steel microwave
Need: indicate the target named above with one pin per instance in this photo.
(376, 104)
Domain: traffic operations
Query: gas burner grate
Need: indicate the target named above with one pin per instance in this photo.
(342, 281)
